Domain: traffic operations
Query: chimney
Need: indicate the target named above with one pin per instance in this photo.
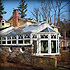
(15, 18)
(64, 37)
(64, 34)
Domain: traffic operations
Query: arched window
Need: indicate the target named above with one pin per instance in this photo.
(20, 37)
(3, 22)
(26, 35)
(22, 49)
(13, 37)
(10, 49)
(34, 36)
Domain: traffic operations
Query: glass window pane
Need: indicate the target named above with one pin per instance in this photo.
(14, 37)
(3, 38)
(27, 41)
(8, 37)
(35, 46)
(27, 36)
(0, 38)
(20, 41)
(8, 42)
(3, 42)
(34, 36)
(44, 46)
(20, 37)
(14, 42)
(53, 46)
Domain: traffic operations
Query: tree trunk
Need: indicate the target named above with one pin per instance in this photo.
(58, 16)
(55, 18)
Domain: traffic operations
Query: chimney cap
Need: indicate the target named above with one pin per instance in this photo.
(15, 9)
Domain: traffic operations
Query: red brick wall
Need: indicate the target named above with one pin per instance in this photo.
(15, 18)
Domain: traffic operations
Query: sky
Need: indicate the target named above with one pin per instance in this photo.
(10, 4)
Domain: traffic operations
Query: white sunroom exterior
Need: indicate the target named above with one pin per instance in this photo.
(44, 39)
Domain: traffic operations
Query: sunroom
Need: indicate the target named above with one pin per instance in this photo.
(42, 37)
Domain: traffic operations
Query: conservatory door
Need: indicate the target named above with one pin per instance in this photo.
(44, 46)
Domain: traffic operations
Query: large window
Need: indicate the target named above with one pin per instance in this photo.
(53, 46)
(35, 46)
(44, 46)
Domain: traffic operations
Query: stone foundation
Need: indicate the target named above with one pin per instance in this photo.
(17, 50)
(39, 61)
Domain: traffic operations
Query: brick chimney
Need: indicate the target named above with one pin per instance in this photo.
(64, 37)
(15, 18)
(64, 34)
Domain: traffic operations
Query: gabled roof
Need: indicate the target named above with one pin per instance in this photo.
(48, 30)
(35, 28)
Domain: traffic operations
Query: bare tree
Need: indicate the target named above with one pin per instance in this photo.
(35, 13)
(54, 6)
(46, 10)
(60, 7)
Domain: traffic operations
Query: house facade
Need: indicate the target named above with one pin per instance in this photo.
(37, 39)
(21, 21)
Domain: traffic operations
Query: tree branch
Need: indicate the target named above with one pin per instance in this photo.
(65, 4)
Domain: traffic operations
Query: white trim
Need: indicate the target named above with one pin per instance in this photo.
(42, 27)
(21, 50)
(30, 38)
(46, 54)
(49, 43)
(15, 44)
(16, 39)
(10, 50)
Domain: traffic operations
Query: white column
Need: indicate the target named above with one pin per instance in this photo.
(56, 43)
(30, 38)
(39, 44)
(10, 50)
(6, 40)
(21, 50)
(17, 39)
(49, 43)
(11, 40)
(26, 23)
(23, 39)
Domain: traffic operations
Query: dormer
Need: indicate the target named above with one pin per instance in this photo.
(2, 22)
